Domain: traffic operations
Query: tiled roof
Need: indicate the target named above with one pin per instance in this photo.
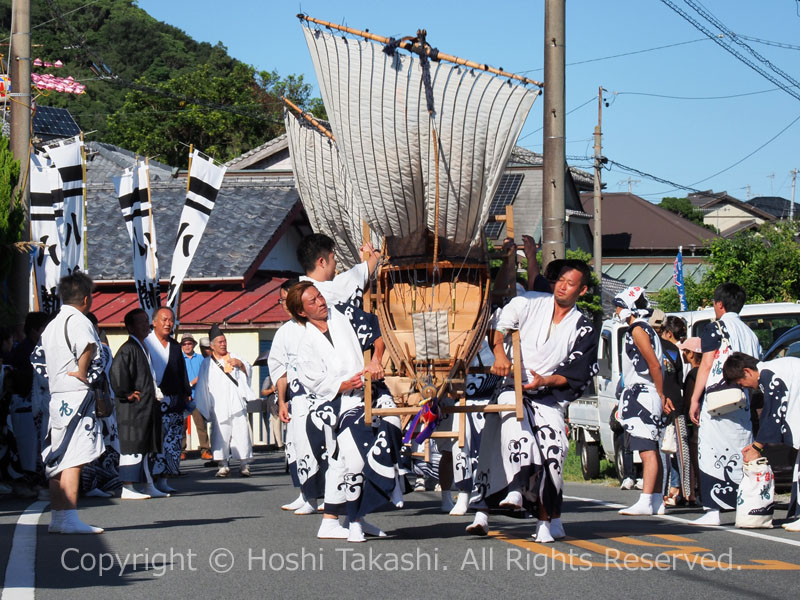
(248, 214)
(261, 152)
(104, 161)
(776, 206)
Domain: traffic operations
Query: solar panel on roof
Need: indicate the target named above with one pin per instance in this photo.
(50, 122)
(505, 194)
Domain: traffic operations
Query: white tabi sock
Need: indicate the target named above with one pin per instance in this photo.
(480, 525)
(711, 519)
(792, 525)
(164, 486)
(154, 492)
(72, 524)
(643, 506)
(306, 509)
(397, 492)
(355, 533)
(512, 500)
(659, 508)
(330, 529)
(557, 529)
(128, 493)
(543, 535)
(294, 505)
(461, 506)
(367, 528)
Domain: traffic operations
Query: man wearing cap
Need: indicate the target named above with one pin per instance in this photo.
(193, 361)
(222, 392)
(205, 347)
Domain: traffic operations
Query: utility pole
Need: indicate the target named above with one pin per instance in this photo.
(791, 204)
(554, 163)
(598, 196)
(19, 66)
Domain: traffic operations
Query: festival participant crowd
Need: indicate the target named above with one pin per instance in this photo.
(76, 421)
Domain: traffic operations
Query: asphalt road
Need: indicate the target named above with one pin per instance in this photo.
(229, 539)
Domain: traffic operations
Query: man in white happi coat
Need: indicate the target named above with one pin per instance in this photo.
(779, 381)
(73, 360)
(222, 391)
(521, 462)
(362, 472)
(721, 437)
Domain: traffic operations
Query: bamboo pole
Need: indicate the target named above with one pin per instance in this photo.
(365, 235)
(416, 48)
(85, 215)
(324, 130)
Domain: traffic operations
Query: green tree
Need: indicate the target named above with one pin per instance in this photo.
(684, 208)
(11, 218)
(591, 303)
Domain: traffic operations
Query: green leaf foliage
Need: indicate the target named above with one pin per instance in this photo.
(684, 208)
(11, 215)
(150, 86)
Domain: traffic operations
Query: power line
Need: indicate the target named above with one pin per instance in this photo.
(628, 169)
(696, 97)
(768, 42)
(592, 99)
(631, 53)
(720, 41)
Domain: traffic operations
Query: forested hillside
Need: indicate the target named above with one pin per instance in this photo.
(149, 86)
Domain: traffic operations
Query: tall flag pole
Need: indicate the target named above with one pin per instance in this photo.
(205, 179)
(149, 227)
(678, 278)
(133, 202)
(44, 230)
(68, 159)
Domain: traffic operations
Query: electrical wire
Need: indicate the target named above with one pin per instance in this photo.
(696, 97)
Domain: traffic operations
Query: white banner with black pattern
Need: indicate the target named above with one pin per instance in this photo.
(68, 159)
(205, 179)
(135, 208)
(44, 230)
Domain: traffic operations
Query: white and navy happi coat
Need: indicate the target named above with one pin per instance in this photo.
(721, 439)
(532, 451)
(362, 457)
(306, 471)
(640, 404)
(779, 381)
(222, 400)
(74, 436)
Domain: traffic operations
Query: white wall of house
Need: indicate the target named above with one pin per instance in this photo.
(725, 216)
(283, 256)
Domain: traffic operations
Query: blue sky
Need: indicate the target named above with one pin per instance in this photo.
(684, 140)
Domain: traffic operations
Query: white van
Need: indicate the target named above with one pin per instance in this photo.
(588, 416)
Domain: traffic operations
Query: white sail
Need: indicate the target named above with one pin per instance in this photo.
(324, 190)
(378, 111)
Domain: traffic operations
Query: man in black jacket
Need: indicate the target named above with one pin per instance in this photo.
(138, 410)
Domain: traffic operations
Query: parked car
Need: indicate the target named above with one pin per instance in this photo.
(787, 344)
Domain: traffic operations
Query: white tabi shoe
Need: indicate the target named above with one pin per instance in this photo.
(792, 526)
(643, 506)
(73, 525)
(244, 471)
(397, 493)
(627, 484)
(368, 528)
(330, 529)
(97, 493)
(513, 500)
(710, 519)
(154, 492)
(557, 529)
(293, 506)
(543, 534)
(447, 502)
(355, 533)
(320, 506)
(480, 525)
(306, 509)
(56, 520)
(128, 493)
(461, 506)
(223, 472)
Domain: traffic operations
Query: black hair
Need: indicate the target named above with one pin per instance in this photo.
(569, 264)
(735, 364)
(311, 248)
(731, 295)
(131, 315)
(676, 326)
(75, 287)
(287, 285)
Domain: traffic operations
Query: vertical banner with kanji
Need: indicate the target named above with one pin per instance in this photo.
(131, 200)
(44, 231)
(205, 179)
(678, 277)
(68, 159)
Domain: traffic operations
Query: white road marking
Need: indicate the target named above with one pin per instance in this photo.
(20, 571)
(728, 528)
